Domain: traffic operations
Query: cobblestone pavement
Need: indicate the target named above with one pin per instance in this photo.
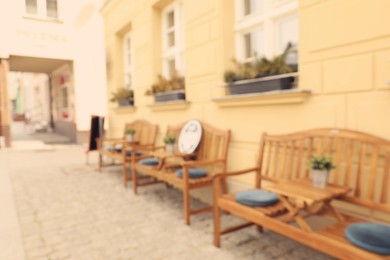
(67, 210)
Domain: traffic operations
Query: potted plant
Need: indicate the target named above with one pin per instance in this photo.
(129, 132)
(168, 89)
(320, 168)
(170, 141)
(124, 97)
(261, 75)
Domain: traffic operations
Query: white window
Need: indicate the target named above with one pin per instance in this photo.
(128, 61)
(265, 27)
(172, 39)
(42, 8)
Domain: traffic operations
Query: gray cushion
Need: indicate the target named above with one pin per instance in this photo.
(256, 198)
(149, 161)
(117, 149)
(370, 236)
(137, 153)
(193, 173)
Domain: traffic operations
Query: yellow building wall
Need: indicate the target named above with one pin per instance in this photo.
(344, 59)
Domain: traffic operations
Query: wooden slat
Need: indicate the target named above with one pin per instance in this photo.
(275, 158)
(269, 155)
(291, 161)
(260, 162)
(283, 160)
(360, 171)
(386, 179)
(329, 146)
(339, 154)
(300, 156)
(372, 173)
(348, 167)
(320, 145)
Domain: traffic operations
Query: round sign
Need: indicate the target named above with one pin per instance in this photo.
(190, 136)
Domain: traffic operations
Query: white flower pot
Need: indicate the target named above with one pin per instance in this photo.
(170, 148)
(129, 138)
(320, 178)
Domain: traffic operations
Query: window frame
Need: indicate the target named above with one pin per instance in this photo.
(128, 69)
(265, 18)
(176, 52)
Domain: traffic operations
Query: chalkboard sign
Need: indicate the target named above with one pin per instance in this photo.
(97, 130)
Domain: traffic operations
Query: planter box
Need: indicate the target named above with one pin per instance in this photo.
(126, 103)
(261, 84)
(170, 96)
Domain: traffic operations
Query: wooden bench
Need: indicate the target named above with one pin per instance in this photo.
(362, 164)
(211, 154)
(145, 139)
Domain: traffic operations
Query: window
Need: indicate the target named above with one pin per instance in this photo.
(42, 8)
(128, 63)
(265, 27)
(172, 39)
(32, 7)
(51, 8)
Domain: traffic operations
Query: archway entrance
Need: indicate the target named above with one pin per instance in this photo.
(37, 93)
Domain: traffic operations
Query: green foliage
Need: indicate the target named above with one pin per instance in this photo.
(260, 67)
(130, 131)
(321, 163)
(122, 94)
(176, 82)
(170, 139)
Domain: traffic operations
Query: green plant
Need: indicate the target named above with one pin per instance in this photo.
(130, 131)
(176, 82)
(122, 94)
(321, 163)
(260, 67)
(170, 139)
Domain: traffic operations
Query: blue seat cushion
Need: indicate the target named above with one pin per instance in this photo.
(137, 153)
(149, 161)
(256, 198)
(193, 173)
(117, 149)
(370, 236)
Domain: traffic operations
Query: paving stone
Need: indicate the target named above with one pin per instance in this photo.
(67, 210)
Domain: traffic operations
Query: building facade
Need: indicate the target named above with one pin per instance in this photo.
(64, 40)
(342, 48)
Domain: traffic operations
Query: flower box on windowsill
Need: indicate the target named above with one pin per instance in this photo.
(169, 96)
(126, 103)
(263, 84)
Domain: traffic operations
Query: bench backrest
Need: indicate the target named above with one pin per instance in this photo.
(145, 132)
(362, 162)
(214, 144)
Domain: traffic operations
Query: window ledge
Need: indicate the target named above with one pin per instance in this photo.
(278, 97)
(42, 18)
(170, 105)
(125, 110)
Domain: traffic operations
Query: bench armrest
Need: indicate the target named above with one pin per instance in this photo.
(233, 173)
(219, 180)
(189, 164)
(110, 139)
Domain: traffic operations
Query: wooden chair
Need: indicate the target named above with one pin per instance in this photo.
(362, 164)
(211, 154)
(145, 139)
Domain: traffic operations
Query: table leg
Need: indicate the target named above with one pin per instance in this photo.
(294, 214)
(334, 212)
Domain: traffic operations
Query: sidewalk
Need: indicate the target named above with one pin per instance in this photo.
(65, 209)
